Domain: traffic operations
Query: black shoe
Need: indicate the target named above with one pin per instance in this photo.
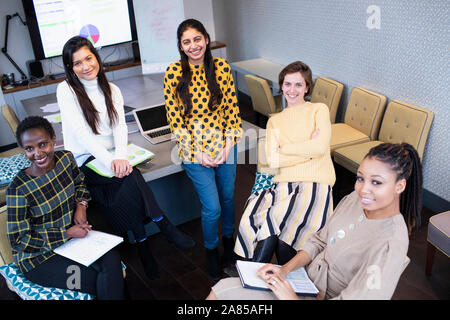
(213, 264)
(284, 252)
(265, 249)
(173, 235)
(151, 267)
(229, 257)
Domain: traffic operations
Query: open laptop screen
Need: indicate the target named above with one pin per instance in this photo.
(152, 118)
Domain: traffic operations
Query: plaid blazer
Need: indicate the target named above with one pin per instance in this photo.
(40, 209)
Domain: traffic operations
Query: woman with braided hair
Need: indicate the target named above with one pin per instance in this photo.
(361, 251)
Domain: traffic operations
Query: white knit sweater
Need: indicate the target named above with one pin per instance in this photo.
(78, 136)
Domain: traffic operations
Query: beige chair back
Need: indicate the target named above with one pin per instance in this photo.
(10, 117)
(262, 99)
(404, 122)
(6, 256)
(364, 111)
(328, 91)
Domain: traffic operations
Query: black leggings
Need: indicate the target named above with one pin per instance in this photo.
(104, 278)
(127, 203)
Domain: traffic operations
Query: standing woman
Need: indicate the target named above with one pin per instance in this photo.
(280, 219)
(93, 121)
(204, 116)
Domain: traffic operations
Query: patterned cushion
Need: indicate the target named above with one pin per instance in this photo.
(27, 290)
(10, 166)
(263, 181)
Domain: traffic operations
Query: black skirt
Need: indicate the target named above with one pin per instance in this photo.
(127, 203)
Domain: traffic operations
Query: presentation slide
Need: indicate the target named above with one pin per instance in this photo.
(103, 22)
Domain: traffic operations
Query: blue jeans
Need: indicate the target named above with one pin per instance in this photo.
(215, 188)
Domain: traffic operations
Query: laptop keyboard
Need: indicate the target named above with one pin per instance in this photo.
(159, 133)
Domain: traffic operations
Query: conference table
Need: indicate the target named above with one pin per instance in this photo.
(262, 68)
(164, 173)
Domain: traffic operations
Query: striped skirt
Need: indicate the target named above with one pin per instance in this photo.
(291, 210)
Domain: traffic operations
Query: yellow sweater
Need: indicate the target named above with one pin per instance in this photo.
(290, 148)
(202, 130)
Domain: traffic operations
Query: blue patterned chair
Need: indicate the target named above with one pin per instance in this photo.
(264, 174)
(17, 282)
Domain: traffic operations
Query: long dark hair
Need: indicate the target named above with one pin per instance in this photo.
(210, 69)
(89, 111)
(404, 160)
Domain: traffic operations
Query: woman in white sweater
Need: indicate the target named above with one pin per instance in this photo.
(93, 121)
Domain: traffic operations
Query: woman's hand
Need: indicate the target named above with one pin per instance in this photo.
(269, 270)
(222, 155)
(121, 168)
(78, 230)
(205, 160)
(275, 278)
(281, 288)
(79, 217)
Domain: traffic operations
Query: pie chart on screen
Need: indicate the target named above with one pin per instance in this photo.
(90, 32)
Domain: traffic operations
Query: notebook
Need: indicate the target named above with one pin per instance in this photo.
(88, 249)
(298, 279)
(152, 123)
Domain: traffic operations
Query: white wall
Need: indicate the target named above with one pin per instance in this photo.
(202, 10)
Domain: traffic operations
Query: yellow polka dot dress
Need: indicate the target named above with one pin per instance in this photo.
(202, 130)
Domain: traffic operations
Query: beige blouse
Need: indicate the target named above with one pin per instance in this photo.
(355, 257)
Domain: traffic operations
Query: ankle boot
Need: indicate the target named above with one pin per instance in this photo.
(213, 263)
(151, 267)
(173, 235)
(284, 252)
(265, 249)
(229, 257)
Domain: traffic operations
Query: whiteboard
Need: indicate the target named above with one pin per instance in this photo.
(156, 23)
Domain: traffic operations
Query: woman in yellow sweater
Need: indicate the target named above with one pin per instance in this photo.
(280, 219)
(203, 114)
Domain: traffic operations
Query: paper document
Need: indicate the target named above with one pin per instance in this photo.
(50, 107)
(135, 155)
(298, 279)
(88, 249)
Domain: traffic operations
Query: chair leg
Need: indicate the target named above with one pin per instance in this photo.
(431, 250)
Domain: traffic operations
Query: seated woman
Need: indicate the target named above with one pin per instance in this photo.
(361, 251)
(47, 206)
(93, 121)
(280, 219)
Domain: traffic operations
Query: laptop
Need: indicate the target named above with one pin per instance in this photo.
(152, 123)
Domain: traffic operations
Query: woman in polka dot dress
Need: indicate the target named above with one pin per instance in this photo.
(203, 114)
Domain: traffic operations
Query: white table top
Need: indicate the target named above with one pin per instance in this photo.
(260, 67)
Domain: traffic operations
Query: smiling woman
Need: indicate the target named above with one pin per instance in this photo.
(360, 253)
(47, 206)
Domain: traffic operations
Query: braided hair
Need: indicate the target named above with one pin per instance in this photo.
(405, 161)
